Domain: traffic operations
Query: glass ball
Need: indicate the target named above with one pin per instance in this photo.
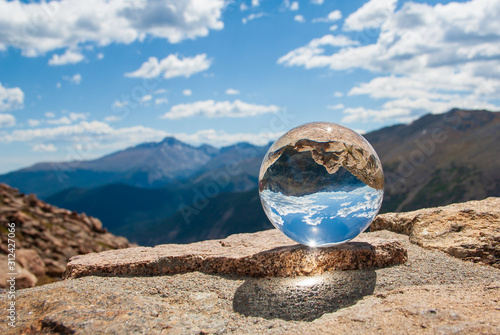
(321, 184)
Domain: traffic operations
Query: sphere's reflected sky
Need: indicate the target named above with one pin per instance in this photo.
(321, 184)
(317, 219)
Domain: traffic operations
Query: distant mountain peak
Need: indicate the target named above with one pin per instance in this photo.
(170, 140)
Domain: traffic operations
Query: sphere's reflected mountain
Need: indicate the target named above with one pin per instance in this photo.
(321, 184)
(297, 174)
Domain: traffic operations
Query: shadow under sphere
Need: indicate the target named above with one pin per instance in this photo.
(303, 298)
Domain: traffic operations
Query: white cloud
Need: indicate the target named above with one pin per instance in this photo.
(338, 94)
(77, 116)
(146, 98)
(37, 28)
(161, 101)
(160, 91)
(219, 138)
(44, 147)
(299, 18)
(119, 104)
(243, 7)
(252, 16)
(371, 15)
(72, 117)
(75, 79)
(311, 55)
(294, 6)
(50, 115)
(187, 92)
(100, 56)
(212, 109)
(331, 17)
(61, 120)
(33, 122)
(439, 57)
(11, 99)
(58, 85)
(232, 91)
(337, 106)
(317, 2)
(333, 28)
(7, 120)
(172, 66)
(255, 3)
(69, 57)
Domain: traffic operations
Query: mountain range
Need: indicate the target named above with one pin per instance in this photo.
(173, 192)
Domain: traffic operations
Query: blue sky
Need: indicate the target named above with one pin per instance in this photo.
(79, 79)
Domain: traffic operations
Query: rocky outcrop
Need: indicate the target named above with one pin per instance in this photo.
(469, 230)
(432, 293)
(47, 236)
(264, 254)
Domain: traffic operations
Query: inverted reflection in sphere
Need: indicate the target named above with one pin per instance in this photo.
(321, 184)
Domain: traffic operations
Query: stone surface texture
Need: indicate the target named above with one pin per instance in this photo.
(262, 254)
(47, 236)
(469, 230)
(432, 293)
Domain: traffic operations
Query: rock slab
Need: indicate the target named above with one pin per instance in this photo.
(469, 230)
(432, 293)
(264, 254)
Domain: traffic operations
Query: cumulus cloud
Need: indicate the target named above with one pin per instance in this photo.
(172, 66)
(69, 119)
(337, 106)
(427, 59)
(232, 91)
(317, 2)
(213, 109)
(146, 98)
(119, 104)
(371, 15)
(69, 57)
(11, 99)
(161, 101)
(37, 28)
(7, 120)
(311, 55)
(220, 138)
(331, 17)
(44, 147)
(338, 94)
(33, 122)
(75, 79)
(293, 6)
(299, 18)
(187, 92)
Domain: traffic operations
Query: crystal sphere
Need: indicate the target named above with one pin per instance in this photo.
(321, 184)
